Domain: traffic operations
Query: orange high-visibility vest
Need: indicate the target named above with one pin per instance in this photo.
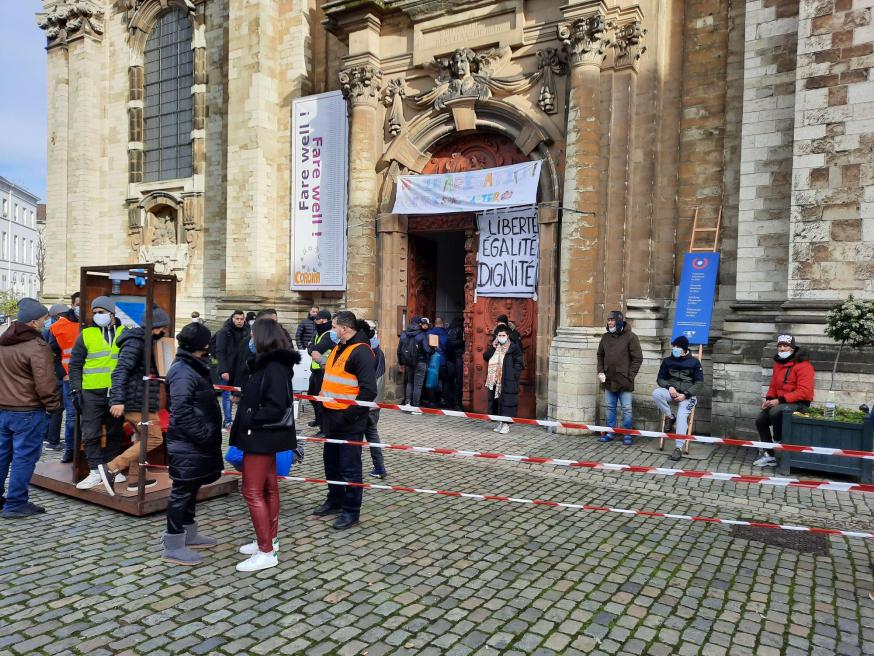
(65, 332)
(338, 383)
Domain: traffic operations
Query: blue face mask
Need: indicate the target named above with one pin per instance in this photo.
(677, 352)
(49, 322)
(76, 311)
(334, 337)
(374, 341)
(252, 344)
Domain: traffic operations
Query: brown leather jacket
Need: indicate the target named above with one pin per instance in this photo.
(27, 371)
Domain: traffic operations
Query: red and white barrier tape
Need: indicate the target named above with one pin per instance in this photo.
(777, 481)
(571, 506)
(705, 439)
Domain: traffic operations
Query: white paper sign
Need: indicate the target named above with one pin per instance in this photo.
(319, 172)
(469, 191)
(509, 253)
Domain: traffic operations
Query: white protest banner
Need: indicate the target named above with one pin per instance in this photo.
(319, 172)
(509, 253)
(469, 191)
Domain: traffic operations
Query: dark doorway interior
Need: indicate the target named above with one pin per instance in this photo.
(438, 288)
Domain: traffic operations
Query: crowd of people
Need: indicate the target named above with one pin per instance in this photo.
(50, 364)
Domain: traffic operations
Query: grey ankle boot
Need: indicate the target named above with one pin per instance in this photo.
(195, 539)
(175, 550)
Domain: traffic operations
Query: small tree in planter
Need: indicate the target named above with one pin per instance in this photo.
(849, 323)
(8, 306)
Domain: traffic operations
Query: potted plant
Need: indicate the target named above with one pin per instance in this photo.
(849, 323)
(847, 429)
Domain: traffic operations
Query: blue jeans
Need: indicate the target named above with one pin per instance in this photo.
(226, 406)
(70, 410)
(21, 437)
(624, 399)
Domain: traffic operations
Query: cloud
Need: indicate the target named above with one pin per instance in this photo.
(23, 113)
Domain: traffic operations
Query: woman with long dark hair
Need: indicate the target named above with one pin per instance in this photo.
(504, 358)
(264, 426)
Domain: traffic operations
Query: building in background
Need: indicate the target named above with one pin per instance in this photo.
(19, 240)
(171, 142)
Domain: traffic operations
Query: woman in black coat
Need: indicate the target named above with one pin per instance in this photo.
(504, 358)
(194, 443)
(265, 400)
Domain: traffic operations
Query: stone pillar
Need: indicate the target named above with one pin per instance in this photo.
(252, 108)
(360, 84)
(392, 284)
(573, 388)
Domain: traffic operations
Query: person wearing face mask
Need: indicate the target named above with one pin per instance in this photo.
(320, 349)
(229, 342)
(62, 337)
(28, 390)
(126, 401)
(72, 313)
(680, 379)
(505, 364)
(349, 374)
(94, 358)
(791, 389)
(619, 360)
(371, 433)
(306, 329)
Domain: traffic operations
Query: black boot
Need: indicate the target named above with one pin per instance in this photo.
(326, 509)
(345, 521)
(67, 457)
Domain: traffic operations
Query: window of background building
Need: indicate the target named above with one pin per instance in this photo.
(32, 253)
(167, 112)
(5, 207)
(15, 251)
(5, 246)
(15, 212)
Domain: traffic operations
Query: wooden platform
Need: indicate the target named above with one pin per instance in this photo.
(59, 478)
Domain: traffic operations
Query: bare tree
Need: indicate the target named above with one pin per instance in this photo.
(41, 258)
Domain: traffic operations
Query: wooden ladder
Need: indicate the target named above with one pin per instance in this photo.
(696, 246)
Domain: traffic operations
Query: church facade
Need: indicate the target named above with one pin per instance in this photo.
(170, 142)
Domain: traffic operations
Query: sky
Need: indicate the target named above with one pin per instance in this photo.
(23, 96)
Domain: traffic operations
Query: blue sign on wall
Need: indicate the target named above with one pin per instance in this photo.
(695, 298)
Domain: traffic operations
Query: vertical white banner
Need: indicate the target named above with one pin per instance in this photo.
(508, 258)
(319, 173)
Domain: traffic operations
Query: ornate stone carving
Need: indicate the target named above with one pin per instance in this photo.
(469, 74)
(165, 229)
(70, 18)
(393, 97)
(585, 39)
(628, 43)
(550, 64)
(360, 84)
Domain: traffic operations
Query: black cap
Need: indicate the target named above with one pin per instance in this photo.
(616, 315)
(324, 314)
(250, 316)
(194, 337)
(502, 318)
(682, 341)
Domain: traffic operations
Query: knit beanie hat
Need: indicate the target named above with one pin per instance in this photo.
(194, 337)
(160, 319)
(57, 308)
(104, 303)
(30, 309)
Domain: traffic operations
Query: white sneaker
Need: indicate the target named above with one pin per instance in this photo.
(415, 412)
(497, 427)
(120, 478)
(252, 548)
(92, 480)
(258, 562)
(505, 428)
(765, 461)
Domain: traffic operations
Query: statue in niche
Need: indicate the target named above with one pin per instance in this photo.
(164, 228)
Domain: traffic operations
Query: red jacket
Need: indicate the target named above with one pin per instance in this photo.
(792, 380)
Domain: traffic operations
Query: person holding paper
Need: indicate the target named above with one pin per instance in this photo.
(505, 364)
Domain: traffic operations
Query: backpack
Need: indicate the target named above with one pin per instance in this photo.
(408, 351)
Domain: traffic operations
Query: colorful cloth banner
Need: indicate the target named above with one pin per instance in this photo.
(469, 191)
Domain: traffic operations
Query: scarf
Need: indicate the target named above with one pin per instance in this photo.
(496, 368)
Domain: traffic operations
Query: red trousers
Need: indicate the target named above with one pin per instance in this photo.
(261, 493)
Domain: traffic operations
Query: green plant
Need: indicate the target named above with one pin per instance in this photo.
(8, 303)
(841, 414)
(850, 323)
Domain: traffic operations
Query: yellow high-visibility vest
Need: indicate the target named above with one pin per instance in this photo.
(101, 359)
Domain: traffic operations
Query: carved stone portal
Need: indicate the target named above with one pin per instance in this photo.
(165, 229)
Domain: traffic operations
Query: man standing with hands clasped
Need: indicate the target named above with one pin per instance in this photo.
(349, 374)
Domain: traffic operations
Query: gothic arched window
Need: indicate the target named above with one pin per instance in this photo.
(167, 109)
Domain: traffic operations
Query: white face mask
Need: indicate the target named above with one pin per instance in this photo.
(102, 320)
(502, 340)
(783, 354)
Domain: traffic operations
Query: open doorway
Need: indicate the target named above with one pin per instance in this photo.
(437, 275)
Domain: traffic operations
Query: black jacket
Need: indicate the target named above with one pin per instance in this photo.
(194, 437)
(227, 345)
(127, 378)
(266, 395)
(684, 374)
(306, 330)
(57, 351)
(352, 420)
(508, 401)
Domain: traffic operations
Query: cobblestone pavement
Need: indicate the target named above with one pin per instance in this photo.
(435, 575)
